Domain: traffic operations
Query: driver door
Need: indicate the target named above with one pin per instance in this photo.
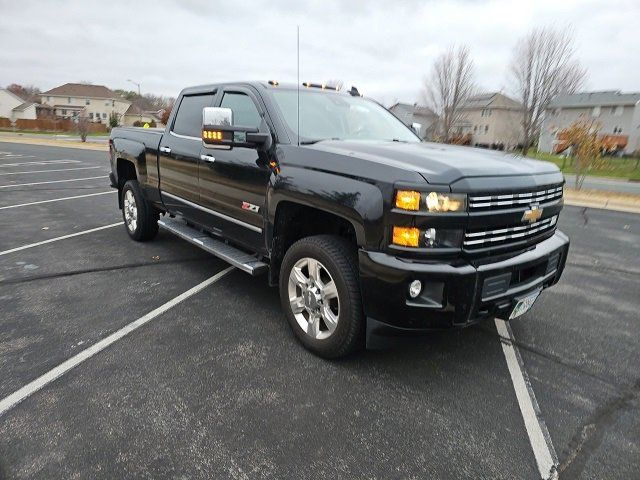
(233, 183)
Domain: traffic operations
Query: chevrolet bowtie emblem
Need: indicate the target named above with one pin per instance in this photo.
(532, 215)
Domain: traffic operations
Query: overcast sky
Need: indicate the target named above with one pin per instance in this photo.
(384, 47)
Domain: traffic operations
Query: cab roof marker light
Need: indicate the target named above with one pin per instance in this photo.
(274, 83)
(321, 86)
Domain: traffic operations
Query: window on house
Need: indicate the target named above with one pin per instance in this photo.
(48, 99)
(618, 110)
(68, 99)
(106, 104)
(104, 115)
(87, 101)
(113, 103)
(617, 130)
(596, 111)
(486, 128)
(64, 111)
(91, 115)
(475, 129)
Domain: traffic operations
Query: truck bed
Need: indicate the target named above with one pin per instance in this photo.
(149, 137)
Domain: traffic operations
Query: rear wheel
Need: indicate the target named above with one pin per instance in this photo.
(320, 294)
(140, 218)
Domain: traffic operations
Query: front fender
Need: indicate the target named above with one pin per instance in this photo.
(358, 202)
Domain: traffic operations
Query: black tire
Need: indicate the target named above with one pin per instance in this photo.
(338, 257)
(146, 224)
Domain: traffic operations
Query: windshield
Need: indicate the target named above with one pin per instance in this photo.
(326, 116)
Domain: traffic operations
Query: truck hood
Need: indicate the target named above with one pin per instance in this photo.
(439, 163)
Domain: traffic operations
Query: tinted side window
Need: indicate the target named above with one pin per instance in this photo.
(245, 113)
(189, 117)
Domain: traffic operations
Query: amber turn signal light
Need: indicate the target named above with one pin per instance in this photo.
(406, 236)
(408, 200)
(212, 135)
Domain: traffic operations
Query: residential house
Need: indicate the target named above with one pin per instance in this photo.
(410, 114)
(136, 114)
(617, 114)
(95, 101)
(13, 107)
(492, 120)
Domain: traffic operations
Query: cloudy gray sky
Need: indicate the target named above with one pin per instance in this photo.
(384, 47)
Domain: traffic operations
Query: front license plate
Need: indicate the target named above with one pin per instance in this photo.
(523, 305)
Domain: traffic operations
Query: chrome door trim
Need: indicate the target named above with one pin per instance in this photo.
(213, 212)
(207, 158)
(186, 137)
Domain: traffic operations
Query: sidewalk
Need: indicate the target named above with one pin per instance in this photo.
(608, 200)
(68, 141)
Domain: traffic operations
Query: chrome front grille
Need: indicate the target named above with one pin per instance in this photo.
(503, 201)
(505, 235)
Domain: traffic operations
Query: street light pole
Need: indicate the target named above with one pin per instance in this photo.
(139, 95)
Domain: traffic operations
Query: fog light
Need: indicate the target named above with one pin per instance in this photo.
(415, 288)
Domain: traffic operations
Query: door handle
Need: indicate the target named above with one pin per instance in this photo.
(207, 158)
(165, 149)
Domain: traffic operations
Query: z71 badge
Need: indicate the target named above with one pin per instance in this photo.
(250, 206)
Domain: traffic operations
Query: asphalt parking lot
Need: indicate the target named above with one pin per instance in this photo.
(217, 386)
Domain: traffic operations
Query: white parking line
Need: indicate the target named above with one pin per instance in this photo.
(84, 232)
(539, 437)
(56, 200)
(18, 396)
(47, 171)
(43, 162)
(52, 181)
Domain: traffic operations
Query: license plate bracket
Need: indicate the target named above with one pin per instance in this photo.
(524, 304)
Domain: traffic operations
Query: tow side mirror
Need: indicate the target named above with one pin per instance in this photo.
(218, 131)
(416, 127)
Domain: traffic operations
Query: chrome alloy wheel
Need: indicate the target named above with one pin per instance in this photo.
(130, 211)
(313, 297)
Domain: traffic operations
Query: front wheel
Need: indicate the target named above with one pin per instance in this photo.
(140, 218)
(320, 294)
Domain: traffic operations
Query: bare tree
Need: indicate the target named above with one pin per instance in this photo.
(543, 66)
(448, 87)
(82, 126)
(29, 93)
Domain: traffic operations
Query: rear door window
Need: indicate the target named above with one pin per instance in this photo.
(189, 117)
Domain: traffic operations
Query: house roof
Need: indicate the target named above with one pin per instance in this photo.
(135, 110)
(83, 90)
(11, 94)
(405, 111)
(490, 99)
(24, 106)
(594, 99)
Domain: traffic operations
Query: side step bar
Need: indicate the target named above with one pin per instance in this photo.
(236, 257)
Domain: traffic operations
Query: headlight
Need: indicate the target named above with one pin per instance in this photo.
(426, 238)
(431, 201)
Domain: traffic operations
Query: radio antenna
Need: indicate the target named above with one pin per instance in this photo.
(298, 82)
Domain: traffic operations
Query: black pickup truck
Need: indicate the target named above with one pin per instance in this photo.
(368, 231)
